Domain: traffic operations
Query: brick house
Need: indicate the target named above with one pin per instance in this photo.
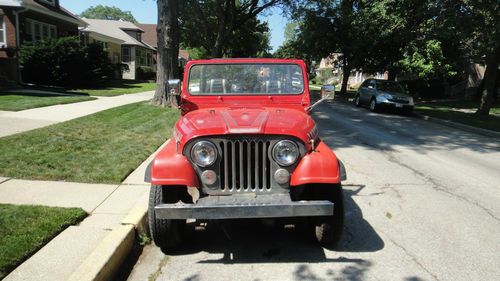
(31, 20)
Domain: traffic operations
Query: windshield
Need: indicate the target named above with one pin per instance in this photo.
(389, 87)
(245, 79)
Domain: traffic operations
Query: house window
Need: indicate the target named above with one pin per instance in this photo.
(37, 31)
(126, 54)
(3, 33)
(139, 37)
(149, 59)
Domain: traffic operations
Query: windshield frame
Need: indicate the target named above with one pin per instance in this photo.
(248, 94)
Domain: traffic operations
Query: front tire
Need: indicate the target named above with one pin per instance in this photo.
(328, 230)
(166, 233)
(357, 101)
(373, 105)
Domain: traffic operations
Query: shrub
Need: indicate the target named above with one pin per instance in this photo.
(64, 62)
(145, 73)
(324, 75)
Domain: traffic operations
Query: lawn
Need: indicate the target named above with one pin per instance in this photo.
(491, 122)
(120, 87)
(16, 102)
(101, 148)
(25, 229)
(461, 111)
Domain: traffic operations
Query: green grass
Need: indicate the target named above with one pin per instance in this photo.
(116, 88)
(16, 102)
(491, 122)
(25, 229)
(101, 148)
(460, 104)
(461, 111)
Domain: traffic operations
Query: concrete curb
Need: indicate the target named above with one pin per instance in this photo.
(463, 127)
(108, 256)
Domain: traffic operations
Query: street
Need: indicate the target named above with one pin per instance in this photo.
(422, 203)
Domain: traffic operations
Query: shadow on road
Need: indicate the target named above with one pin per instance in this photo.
(344, 125)
(251, 241)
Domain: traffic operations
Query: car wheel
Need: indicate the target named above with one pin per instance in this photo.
(373, 105)
(328, 230)
(408, 111)
(166, 233)
(357, 101)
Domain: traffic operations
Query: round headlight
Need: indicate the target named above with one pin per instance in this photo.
(204, 153)
(285, 152)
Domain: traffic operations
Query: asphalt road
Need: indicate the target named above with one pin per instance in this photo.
(422, 203)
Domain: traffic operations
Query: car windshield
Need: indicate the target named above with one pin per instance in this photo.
(245, 79)
(387, 86)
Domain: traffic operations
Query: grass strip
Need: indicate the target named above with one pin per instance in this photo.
(17, 102)
(26, 229)
(104, 147)
(491, 122)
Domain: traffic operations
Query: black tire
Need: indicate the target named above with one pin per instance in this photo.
(357, 102)
(167, 234)
(408, 111)
(373, 105)
(328, 230)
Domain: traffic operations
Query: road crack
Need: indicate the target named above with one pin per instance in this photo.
(436, 186)
(415, 259)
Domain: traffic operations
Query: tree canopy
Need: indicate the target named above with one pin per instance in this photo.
(107, 13)
(428, 39)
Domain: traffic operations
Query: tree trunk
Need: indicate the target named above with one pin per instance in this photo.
(168, 52)
(490, 80)
(346, 72)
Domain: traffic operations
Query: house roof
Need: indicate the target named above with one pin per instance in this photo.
(150, 37)
(115, 29)
(44, 8)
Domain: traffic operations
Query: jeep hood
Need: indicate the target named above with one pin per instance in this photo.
(237, 121)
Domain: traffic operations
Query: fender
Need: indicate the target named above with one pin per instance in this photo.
(319, 166)
(172, 168)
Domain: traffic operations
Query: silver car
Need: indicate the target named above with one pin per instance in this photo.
(383, 94)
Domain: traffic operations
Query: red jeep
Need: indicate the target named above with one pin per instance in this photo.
(245, 147)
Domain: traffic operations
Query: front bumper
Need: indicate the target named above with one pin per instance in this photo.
(244, 206)
(395, 105)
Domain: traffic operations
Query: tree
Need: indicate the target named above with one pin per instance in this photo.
(107, 13)
(213, 24)
(168, 51)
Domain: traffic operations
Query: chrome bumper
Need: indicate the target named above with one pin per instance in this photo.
(244, 206)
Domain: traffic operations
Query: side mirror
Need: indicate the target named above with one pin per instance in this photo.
(327, 93)
(174, 88)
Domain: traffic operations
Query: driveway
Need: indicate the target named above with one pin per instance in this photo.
(422, 203)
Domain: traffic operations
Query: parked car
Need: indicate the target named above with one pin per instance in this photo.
(245, 147)
(380, 94)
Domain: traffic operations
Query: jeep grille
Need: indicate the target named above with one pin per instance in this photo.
(244, 164)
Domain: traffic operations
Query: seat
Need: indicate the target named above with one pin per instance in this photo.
(217, 86)
(273, 86)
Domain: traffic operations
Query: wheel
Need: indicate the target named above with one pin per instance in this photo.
(408, 111)
(328, 230)
(373, 105)
(167, 234)
(357, 101)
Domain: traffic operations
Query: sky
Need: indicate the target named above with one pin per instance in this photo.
(144, 11)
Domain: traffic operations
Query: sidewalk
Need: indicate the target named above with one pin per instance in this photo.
(84, 251)
(21, 121)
